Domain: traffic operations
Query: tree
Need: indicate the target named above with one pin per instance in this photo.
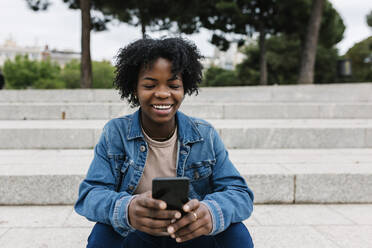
(242, 17)
(306, 74)
(288, 47)
(215, 76)
(369, 19)
(361, 60)
(96, 23)
(24, 73)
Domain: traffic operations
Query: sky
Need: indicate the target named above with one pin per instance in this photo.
(60, 28)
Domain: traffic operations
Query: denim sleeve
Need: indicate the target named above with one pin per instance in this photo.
(98, 201)
(231, 200)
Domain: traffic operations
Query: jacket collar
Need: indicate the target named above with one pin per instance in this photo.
(187, 130)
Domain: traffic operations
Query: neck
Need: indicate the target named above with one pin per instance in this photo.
(159, 132)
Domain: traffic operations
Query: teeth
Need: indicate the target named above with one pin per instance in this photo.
(162, 106)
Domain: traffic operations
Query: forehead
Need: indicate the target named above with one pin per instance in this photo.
(159, 63)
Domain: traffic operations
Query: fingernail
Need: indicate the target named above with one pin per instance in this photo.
(170, 229)
(177, 215)
(186, 208)
(173, 221)
(162, 205)
(178, 240)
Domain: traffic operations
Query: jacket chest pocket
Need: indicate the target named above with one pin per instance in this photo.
(121, 169)
(198, 171)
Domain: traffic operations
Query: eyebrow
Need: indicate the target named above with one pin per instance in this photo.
(155, 80)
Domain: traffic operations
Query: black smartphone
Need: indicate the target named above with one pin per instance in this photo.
(173, 190)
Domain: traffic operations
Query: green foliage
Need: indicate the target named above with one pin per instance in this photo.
(70, 74)
(103, 74)
(283, 56)
(24, 73)
(215, 76)
(361, 60)
(49, 83)
(369, 19)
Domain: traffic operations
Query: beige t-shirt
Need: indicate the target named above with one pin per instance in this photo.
(160, 162)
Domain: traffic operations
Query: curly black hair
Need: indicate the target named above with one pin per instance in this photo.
(142, 53)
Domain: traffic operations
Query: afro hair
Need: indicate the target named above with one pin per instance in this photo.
(183, 54)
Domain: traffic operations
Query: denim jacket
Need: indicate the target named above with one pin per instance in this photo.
(119, 160)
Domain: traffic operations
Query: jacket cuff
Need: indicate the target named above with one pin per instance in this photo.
(120, 216)
(217, 216)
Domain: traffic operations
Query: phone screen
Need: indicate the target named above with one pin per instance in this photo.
(173, 190)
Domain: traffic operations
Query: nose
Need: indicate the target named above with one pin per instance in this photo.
(162, 92)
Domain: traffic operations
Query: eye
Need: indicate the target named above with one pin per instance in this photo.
(149, 86)
(174, 86)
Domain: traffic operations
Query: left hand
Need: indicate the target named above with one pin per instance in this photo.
(197, 222)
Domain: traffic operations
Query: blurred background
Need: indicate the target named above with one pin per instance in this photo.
(246, 42)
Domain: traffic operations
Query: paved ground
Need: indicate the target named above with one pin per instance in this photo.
(339, 226)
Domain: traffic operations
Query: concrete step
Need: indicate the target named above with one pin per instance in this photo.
(242, 110)
(241, 134)
(275, 176)
(306, 226)
(356, 92)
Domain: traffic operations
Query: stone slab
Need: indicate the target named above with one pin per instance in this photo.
(34, 216)
(268, 138)
(300, 215)
(45, 237)
(322, 93)
(53, 176)
(288, 236)
(358, 213)
(274, 188)
(355, 92)
(75, 220)
(236, 134)
(47, 138)
(338, 188)
(348, 236)
(34, 190)
(219, 110)
(270, 226)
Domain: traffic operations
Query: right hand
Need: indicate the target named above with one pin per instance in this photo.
(150, 215)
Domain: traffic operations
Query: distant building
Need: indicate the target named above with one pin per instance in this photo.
(225, 59)
(10, 49)
(62, 57)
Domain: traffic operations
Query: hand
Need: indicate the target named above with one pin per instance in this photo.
(150, 215)
(197, 222)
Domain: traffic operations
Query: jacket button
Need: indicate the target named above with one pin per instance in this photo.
(131, 187)
(196, 175)
(142, 148)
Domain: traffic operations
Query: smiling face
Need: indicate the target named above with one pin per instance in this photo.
(160, 94)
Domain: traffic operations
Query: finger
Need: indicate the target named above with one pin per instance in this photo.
(196, 233)
(184, 221)
(148, 202)
(154, 223)
(141, 211)
(191, 205)
(152, 231)
(190, 228)
(161, 214)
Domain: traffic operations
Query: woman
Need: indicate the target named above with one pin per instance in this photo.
(159, 141)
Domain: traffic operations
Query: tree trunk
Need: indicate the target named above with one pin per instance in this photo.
(306, 74)
(143, 30)
(263, 64)
(143, 26)
(86, 63)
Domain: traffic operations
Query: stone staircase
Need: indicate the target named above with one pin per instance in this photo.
(293, 144)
